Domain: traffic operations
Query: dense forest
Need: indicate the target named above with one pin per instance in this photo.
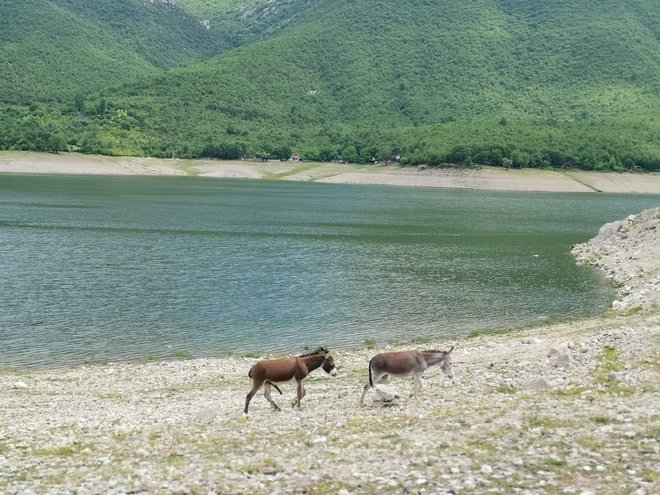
(513, 83)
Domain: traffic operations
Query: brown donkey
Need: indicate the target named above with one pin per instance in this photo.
(283, 370)
(406, 363)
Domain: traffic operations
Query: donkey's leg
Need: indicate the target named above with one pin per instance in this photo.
(268, 397)
(375, 379)
(364, 392)
(300, 392)
(418, 384)
(255, 389)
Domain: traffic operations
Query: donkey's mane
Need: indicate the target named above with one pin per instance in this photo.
(320, 350)
(434, 351)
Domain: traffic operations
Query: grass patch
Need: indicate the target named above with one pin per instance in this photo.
(64, 451)
(505, 389)
(556, 462)
(590, 443)
(610, 362)
(369, 343)
(488, 331)
(630, 312)
(654, 433)
(650, 476)
(252, 355)
(544, 422)
(182, 355)
(568, 393)
(110, 395)
(601, 420)
(652, 364)
(421, 340)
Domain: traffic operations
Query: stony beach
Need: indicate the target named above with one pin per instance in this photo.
(572, 407)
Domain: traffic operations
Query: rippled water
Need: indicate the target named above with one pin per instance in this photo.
(116, 268)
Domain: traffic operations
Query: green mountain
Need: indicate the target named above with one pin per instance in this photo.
(53, 49)
(503, 82)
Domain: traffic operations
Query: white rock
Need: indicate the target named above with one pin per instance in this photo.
(386, 393)
(207, 415)
(538, 383)
(563, 360)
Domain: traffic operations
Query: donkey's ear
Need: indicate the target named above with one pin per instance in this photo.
(452, 348)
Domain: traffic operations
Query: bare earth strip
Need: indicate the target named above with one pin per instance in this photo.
(569, 408)
(485, 178)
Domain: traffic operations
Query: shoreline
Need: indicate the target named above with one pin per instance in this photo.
(485, 178)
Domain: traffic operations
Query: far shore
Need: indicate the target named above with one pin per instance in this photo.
(486, 178)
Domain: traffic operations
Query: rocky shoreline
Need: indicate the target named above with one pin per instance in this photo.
(566, 408)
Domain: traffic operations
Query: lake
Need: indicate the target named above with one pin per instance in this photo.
(97, 269)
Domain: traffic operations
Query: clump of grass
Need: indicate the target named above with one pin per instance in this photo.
(650, 476)
(370, 343)
(589, 442)
(610, 362)
(110, 395)
(252, 354)
(64, 451)
(544, 422)
(569, 393)
(654, 433)
(600, 420)
(487, 331)
(421, 340)
(505, 389)
(182, 355)
(630, 312)
(556, 462)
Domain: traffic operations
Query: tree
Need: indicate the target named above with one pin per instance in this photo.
(350, 154)
(103, 106)
(80, 103)
(55, 143)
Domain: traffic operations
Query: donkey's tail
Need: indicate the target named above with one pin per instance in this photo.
(276, 387)
(371, 382)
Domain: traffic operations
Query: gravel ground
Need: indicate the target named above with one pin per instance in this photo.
(567, 408)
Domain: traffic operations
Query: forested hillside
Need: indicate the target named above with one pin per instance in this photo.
(502, 82)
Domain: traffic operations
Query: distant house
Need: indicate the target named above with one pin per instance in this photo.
(295, 158)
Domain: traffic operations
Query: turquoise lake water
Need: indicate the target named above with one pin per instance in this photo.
(98, 269)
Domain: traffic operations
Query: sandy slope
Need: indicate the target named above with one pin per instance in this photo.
(485, 178)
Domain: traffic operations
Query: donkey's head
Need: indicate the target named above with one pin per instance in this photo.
(446, 365)
(329, 365)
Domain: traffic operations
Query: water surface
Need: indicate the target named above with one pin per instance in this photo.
(133, 268)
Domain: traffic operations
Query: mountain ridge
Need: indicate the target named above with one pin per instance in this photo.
(502, 82)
